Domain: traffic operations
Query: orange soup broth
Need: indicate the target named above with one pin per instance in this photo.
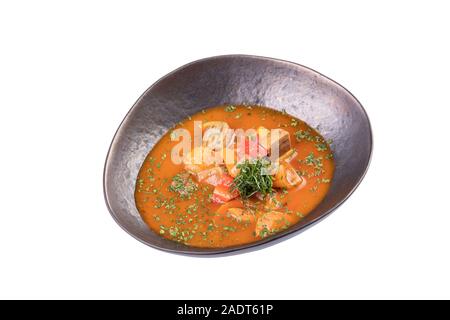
(201, 223)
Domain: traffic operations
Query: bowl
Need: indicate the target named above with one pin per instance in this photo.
(237, 79)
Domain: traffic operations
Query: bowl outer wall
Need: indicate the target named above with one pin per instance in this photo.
(236, 79)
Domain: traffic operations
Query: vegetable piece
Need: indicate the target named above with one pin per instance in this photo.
(253, 178)
(226, 180)
(286, 176)
(230, 108)
(232, 169)
(223, 192)
(271, 222)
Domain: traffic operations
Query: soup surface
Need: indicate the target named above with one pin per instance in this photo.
(281, 170)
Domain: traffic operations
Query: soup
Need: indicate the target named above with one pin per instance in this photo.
(271, 171)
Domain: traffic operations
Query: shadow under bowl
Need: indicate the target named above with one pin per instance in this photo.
(236, 79)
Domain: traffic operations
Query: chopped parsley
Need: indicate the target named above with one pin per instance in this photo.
(264, 232)
(230, 108)
(252, 178)
(183, 184)
(304, 135)
(321, 147)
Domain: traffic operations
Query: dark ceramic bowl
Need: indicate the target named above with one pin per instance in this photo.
(236, 79)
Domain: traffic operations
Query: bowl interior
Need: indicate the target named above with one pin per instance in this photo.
(302, 92)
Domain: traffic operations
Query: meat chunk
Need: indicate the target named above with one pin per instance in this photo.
(288, 156)
(271, 222)
(215, 135)
(212, 176)
(200, 159)
(286, 176)
(275, 201)
(240, 215)
(271, 139)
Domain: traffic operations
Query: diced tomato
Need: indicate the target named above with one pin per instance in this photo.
(218, 197)
(226, 180)
(247, 144)
(223, 192)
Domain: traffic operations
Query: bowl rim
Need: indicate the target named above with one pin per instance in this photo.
(253, 246)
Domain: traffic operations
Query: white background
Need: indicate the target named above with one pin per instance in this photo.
(69, 72)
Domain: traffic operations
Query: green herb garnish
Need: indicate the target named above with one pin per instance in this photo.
(252, 178)
(173, 231)
(230, 108)
(264, 232)
(310, 160)
(304, 135)
(321, 147)
(183, 185)
(229, 228)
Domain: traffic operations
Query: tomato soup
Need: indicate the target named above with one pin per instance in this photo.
(231, 203)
